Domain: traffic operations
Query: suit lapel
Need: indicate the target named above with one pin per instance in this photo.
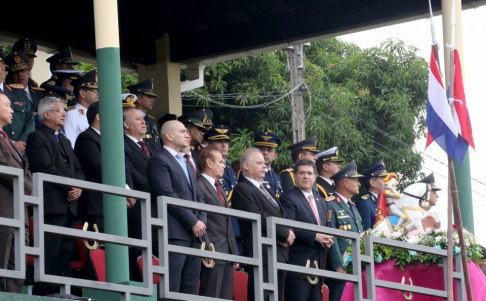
(306, 204)
(136, 148)
(176, 163)
(213, 191)
(16, 155)
(51, 137)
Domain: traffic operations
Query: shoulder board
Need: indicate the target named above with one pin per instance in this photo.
(37, 89)
(330, 198)
(34, 83)
(70, 109)
(151, 117)
(288, 170)
(51, 82)
(17, 86)
(365, 197)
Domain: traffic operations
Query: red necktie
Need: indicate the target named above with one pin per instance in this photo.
(220, 193)
(144, 147)
(314, 209)
(188, 160)
(4, 136)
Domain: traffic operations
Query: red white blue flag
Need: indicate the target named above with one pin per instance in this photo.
(440, 123)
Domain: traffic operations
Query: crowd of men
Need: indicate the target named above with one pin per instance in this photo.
(55, 129)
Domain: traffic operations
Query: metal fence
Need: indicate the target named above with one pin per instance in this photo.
(160, 223)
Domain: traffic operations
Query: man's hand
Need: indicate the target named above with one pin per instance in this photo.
(291, 238)
(340, 270)
(20, 145)
(74, 194)
(325, 240)
(131, 202)
(199, 229)
(236, 266)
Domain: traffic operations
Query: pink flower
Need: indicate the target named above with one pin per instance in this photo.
(413, 233)
(454, 226)
(362, 234)
(387, 235)
(396, 234)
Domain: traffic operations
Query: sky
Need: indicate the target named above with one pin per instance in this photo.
(418, 34)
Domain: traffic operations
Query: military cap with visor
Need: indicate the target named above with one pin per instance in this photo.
(128, 100)
(68, 74)
(16, 61)
(376, 170)
(64, 56)
(88, 80)
(430, 179)
(218, 132)
(306, 144)
(207, 117)
(267, 139)
(67, 96)
(330, 155)
(26, 46)
(350, 171)
(146, 87)
(193, 118)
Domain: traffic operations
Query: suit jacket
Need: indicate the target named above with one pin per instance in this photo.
(167, 178)
(136, 164)
(11, 159)
(324, 188)
(46, 155)
(88, 152)
(23, 116)
(343, 218)
(220, 230)
(247, 197)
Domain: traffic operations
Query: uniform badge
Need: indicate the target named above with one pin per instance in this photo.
(27, 45)
(221, 131)
(17, 59)
(81, 111)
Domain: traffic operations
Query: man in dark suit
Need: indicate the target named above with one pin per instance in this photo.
(138, 151)
(328, 164)
(10, 157)
(88, 152)
(302, 205)
(216, 282)
(50, 152)
(250, 195)
(169, 175)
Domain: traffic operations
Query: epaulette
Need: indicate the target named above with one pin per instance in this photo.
(17, 86)
(151, 117)
(192, 147)
(70, 108)
(365, 197)
(289, 170)
(51, 82)
(330, 198)
(38, 89)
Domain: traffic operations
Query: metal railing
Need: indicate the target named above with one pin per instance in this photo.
(161, 225)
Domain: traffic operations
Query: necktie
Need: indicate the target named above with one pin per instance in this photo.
(220, 192)
(269, 197)
(314, 209)
(188, 160)
(4, 136)
(350, 207)
(184, 166)
(144, 147)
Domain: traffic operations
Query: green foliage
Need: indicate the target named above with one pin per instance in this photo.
(6, 49)
(431, 238)
(369, 102)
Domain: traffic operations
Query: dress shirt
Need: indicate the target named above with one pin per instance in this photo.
(210, 180)
(331, 182)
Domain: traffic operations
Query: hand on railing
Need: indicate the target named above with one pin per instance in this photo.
(74, 194)
(131, 202)
(325, 240)
(199, 229)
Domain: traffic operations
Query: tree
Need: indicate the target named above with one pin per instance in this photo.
(369, 102)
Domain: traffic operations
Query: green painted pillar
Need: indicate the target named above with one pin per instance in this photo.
(463, 181)
(112, 143)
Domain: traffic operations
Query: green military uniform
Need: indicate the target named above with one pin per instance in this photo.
(344, 216)
(147, 88)
(23, 117)
(287, 175)
(28, 47)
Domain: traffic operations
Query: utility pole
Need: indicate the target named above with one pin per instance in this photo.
(295, 57)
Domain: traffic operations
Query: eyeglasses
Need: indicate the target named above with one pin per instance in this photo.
(58, 110)
(93, 90)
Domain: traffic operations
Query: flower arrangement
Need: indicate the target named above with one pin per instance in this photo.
(430, 238)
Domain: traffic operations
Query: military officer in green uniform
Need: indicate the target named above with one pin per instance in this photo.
(194, 123)
(63, 60)
(20, 77)
(305, 149)
(29, 48)
(328, 164)
(144, 103)
(23, 117)
(344, 216)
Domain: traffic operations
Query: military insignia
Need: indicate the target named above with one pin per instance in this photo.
(17, 59)
(130, 100)
(19, 103)
(221, 131)
(266, 138)
(51, 82)
(383, 163)
(343, 216)
(337, 152)
(365, 197)
(330, 198)
(96, 77)
(68, 96)
(17, 86)
(81, 111)
(205, 118)
(340, 227)
(27, 45)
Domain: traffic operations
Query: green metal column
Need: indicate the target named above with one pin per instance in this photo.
(112, 143)
(463, 180)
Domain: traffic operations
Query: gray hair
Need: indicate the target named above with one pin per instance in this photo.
(46, 104)
(247, 157)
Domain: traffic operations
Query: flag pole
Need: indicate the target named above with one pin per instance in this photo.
(453, 195)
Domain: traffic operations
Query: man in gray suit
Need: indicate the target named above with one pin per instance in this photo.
(216, 282)
(10, 157)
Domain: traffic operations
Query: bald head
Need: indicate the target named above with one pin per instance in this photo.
(174, 135)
